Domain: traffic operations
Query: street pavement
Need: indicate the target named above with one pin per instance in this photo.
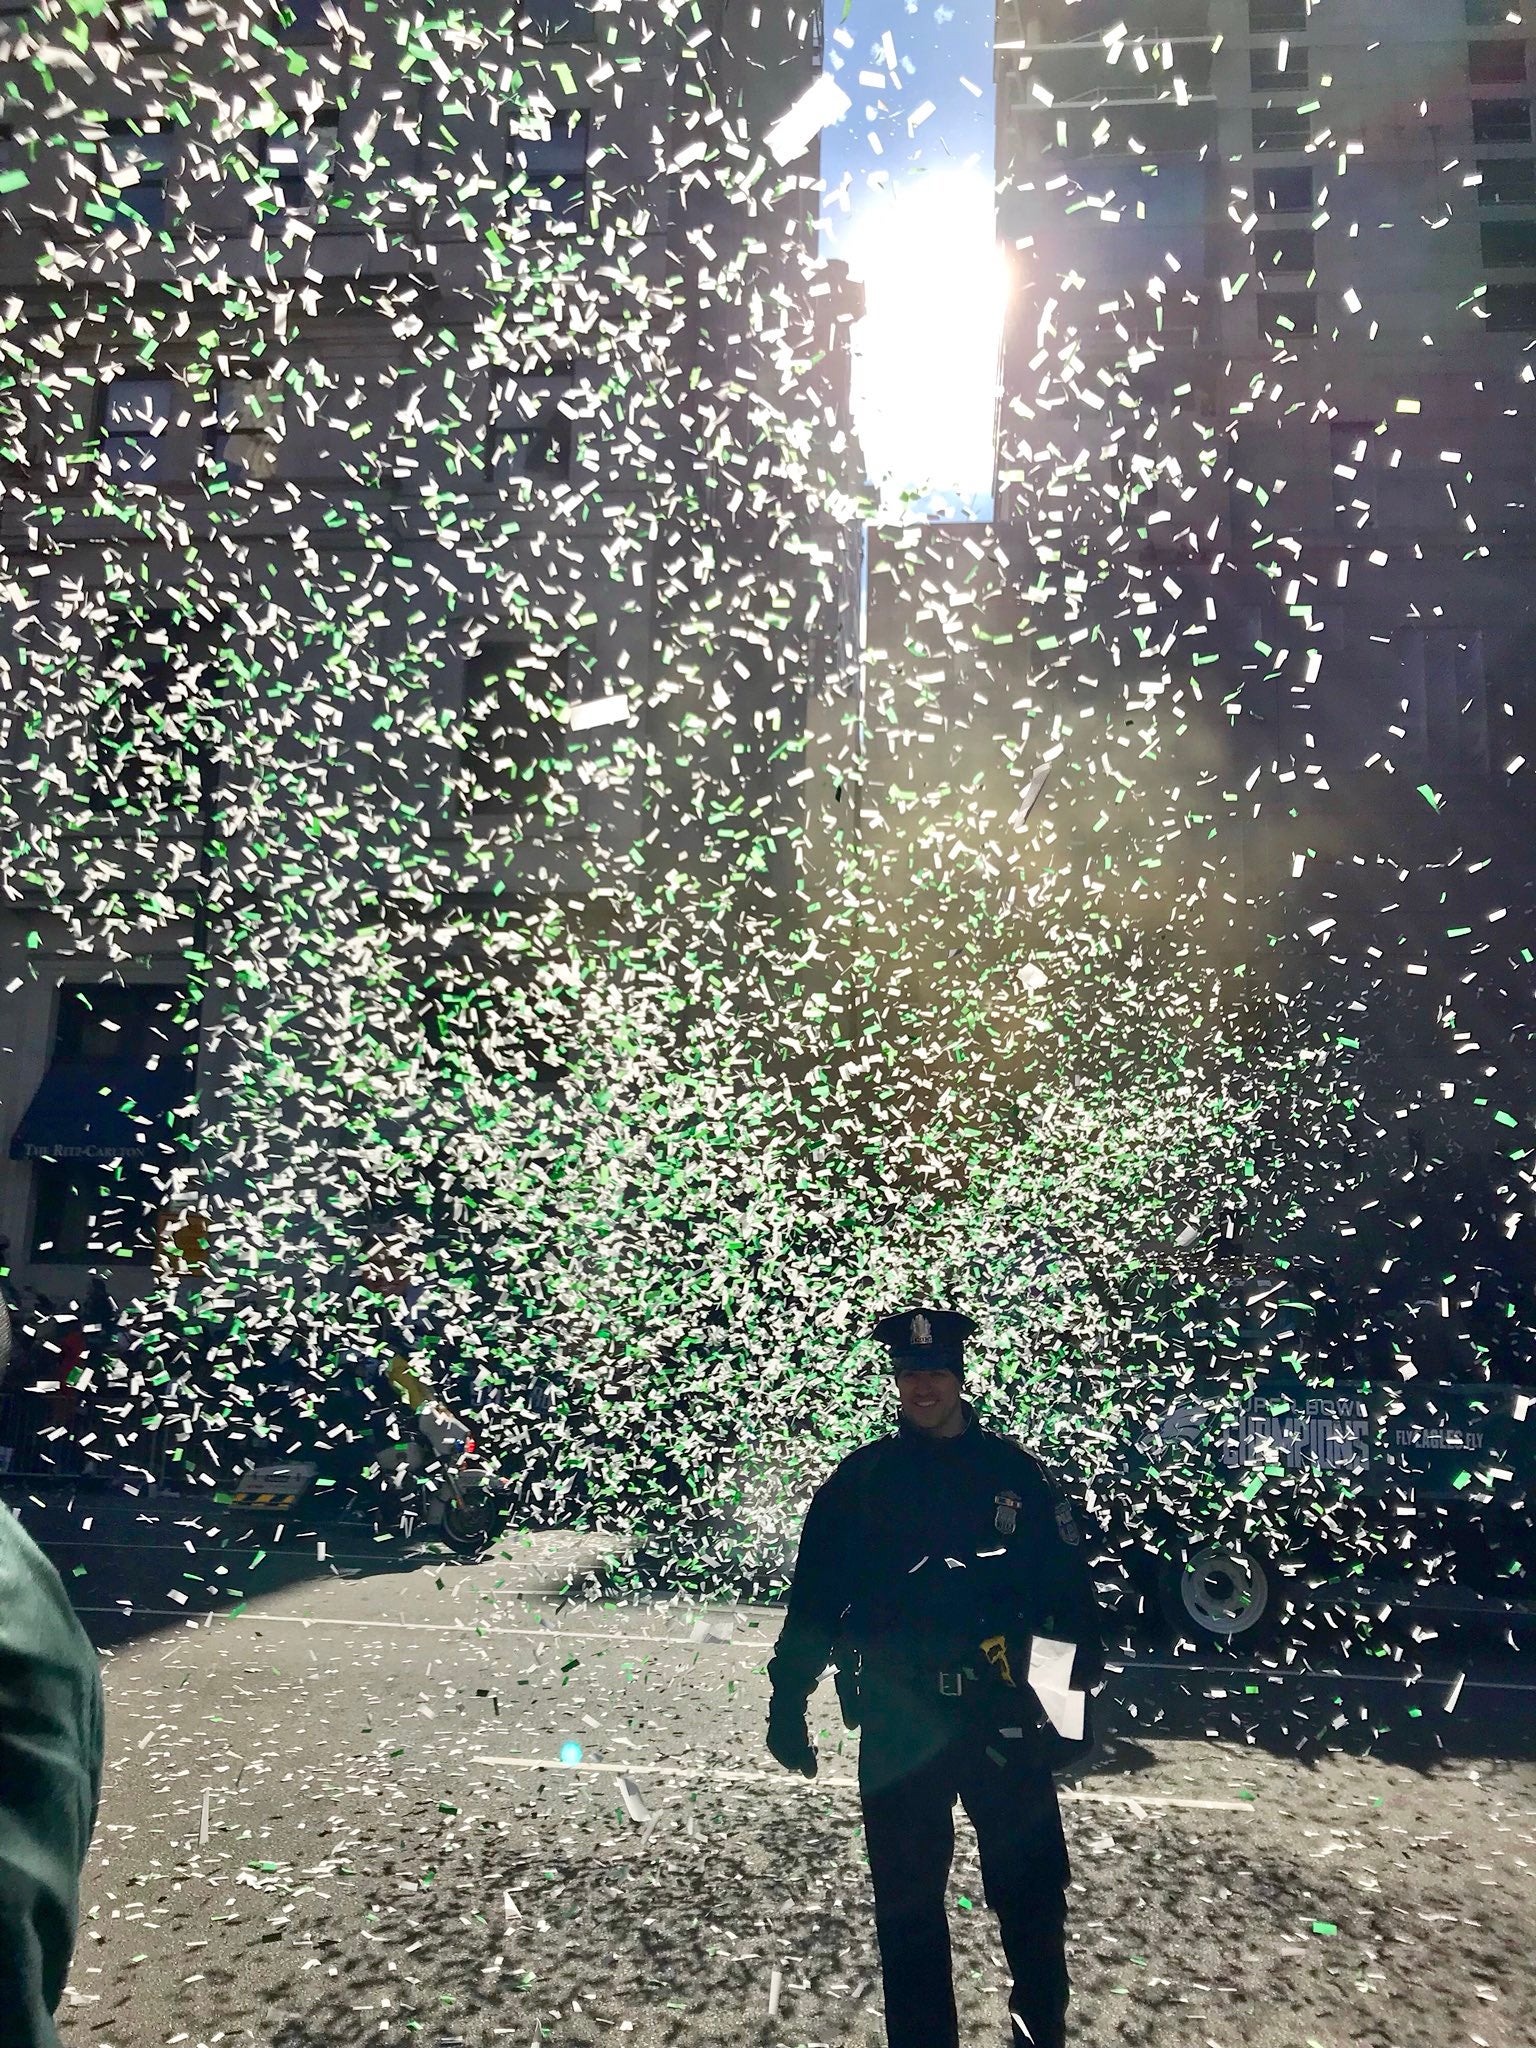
(335, 1812)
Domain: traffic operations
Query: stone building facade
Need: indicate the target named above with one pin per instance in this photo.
(391, 404)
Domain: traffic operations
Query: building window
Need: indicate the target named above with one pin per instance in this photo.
(1285, 191)
(89, 1210)
(554, 21)
(130, 714)
(1509, 244)
(1500, 63)
(1281, 128)
(513, 696)
(169, 20)
(551, 169)
(1507, 181)
(246, 427)
(296, 164)
(1287, 316)
(14, 177)
(121, 1059)
(1501, 120)
(146, 750)
(1276, 17)
(99, 1024)
(1267, 71)
(1284, 249)
(304, 21)
(136, 413)
(1510, 308)
(1352, 458)
(1444, 702)
(134, 161)
(535, 432)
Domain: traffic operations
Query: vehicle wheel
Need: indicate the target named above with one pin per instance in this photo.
(469, 1530)
(1222, 1594)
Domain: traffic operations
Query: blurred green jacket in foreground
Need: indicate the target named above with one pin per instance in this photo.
(50, 1783)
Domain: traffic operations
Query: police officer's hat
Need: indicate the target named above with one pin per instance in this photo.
(933, 1338)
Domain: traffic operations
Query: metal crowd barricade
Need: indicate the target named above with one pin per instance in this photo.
(35, 1444)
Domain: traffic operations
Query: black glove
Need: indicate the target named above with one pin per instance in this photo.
(789, 1740)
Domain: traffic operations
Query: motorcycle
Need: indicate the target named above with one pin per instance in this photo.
(430, 1473)
(467, 1505)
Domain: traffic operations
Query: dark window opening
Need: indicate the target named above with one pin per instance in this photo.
(1284, 248)
(1352, 459)
(1266, 73)
(1511, 308)
(136, 413)
(1286, 191)
(245, 429)
(1286, 316)
(552, 168)
(1501, 120)
(535, 433)
(297, 164)
(131, 1047)
(304, 21)
(1507, 181)
(102, 1022)
(134, 163)
(1444, 706)
(85, 1211)
(513, 697)
(555, 21)
(1507, 243)
(1500, 63)
(1276, 17)
(140, 748)
(1281, 128)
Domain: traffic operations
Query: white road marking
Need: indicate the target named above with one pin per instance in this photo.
(126, 1611)
(479, 1629)
(788, 1781)
(1319, 1677)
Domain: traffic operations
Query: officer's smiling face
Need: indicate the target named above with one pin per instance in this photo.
(930, 1398)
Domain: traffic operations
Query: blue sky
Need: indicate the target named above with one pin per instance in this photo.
(938, 43)
(908, 174)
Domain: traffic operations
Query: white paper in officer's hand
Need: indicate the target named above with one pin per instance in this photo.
(1050, 1678)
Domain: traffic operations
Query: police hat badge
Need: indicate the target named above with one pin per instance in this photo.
(1005, 1519)
(932, 1338)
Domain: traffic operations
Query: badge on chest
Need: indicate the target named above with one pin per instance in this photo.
(1005, 1517)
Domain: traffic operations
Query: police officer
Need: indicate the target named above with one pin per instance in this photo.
(929, 1564)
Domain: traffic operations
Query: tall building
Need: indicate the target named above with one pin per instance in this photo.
(1264, 525)
(405, 422)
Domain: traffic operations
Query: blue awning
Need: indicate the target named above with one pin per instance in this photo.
(108, 1110)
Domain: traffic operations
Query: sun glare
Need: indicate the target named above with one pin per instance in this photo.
(926, 352)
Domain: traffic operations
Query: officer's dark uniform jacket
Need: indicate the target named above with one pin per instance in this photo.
(915, 1551)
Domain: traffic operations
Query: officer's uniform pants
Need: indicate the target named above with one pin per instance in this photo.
(910, 1835)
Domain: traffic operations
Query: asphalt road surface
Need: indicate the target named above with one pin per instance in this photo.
(335, 1812)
